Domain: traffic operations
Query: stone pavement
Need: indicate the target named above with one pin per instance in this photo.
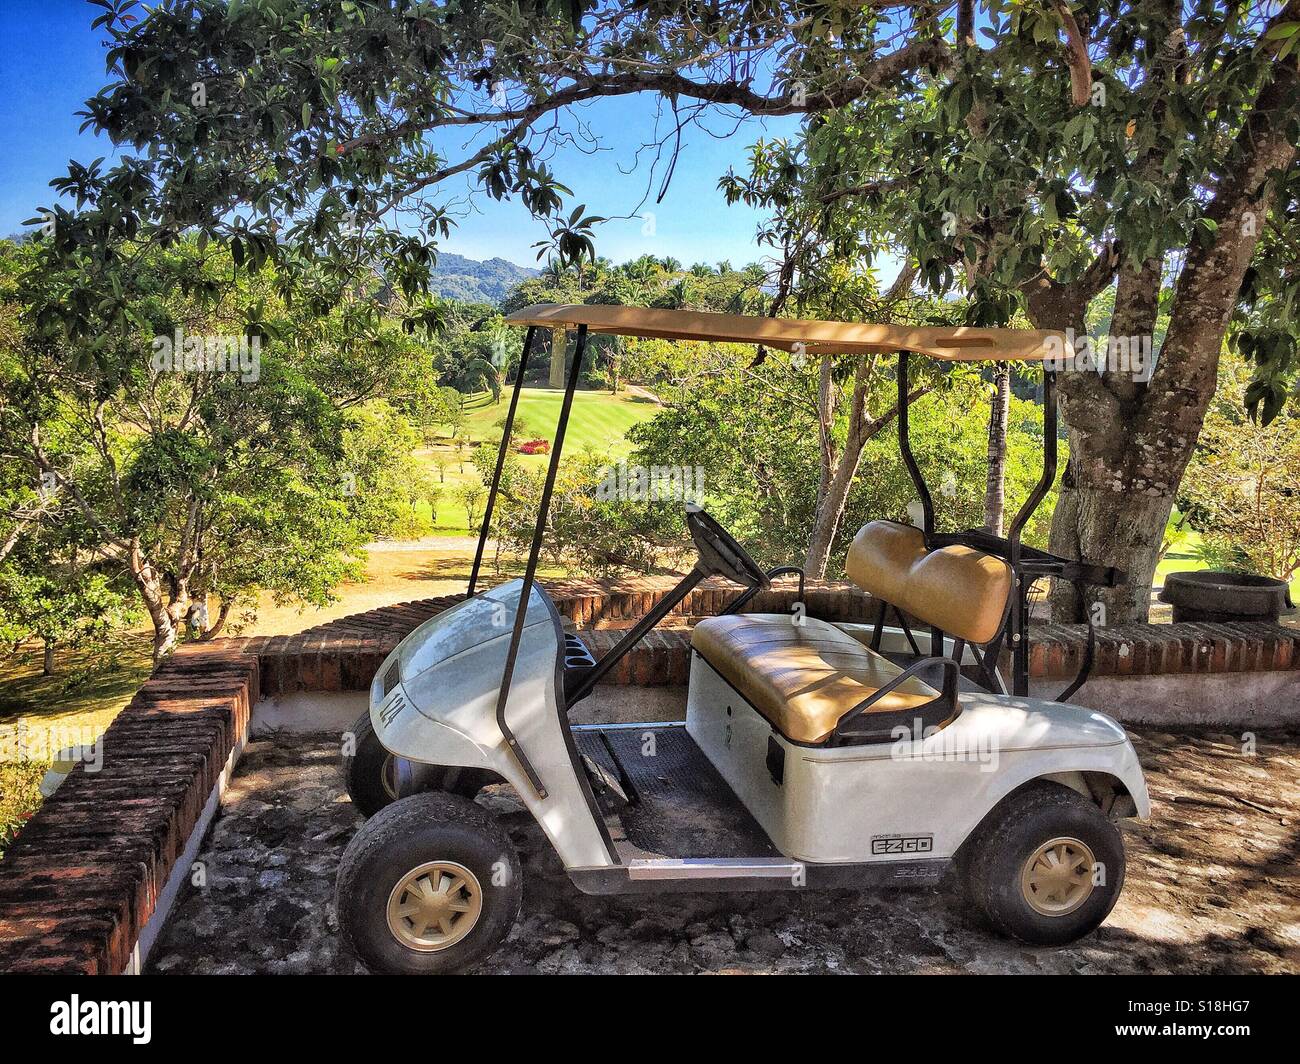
(1213, 886)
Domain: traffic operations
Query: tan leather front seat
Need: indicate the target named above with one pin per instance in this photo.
(802, 678)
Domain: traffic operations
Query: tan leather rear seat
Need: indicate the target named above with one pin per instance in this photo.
(802, 678)
(961, 591)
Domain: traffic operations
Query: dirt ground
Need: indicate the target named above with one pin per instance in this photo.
(1213, 887)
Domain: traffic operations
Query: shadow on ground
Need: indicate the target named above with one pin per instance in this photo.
(1213, 887)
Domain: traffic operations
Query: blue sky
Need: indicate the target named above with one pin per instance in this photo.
(51, 62)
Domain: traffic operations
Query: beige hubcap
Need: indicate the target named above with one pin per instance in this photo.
(388, 776)
(434, 906)
(1057, 878)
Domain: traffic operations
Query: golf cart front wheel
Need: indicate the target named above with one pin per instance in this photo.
(430, 885)
(1046, 866)
(375, 778)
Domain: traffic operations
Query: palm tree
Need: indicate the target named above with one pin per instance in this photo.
(643, 269)
(485, 370)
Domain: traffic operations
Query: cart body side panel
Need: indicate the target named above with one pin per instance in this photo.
(442, 712)
(892, 800)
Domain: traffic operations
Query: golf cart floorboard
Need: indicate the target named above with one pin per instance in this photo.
(679, 805)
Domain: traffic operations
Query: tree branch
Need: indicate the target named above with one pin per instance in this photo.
(1076, 56)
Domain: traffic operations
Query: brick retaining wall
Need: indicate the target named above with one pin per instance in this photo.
(83, 878)
(89, 871)
(1056, 650)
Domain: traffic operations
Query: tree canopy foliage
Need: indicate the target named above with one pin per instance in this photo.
(193, 459)
(306, 132)
(1062, 150)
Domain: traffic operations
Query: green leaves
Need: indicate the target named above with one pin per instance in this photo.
(571, 241)
(1264, 399)
(1286, 37)
(429, 316)
(1273, 353)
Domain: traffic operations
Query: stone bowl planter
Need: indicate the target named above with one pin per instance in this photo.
(1218, 597)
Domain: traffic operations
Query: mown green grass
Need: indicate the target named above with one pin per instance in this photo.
(598, 420)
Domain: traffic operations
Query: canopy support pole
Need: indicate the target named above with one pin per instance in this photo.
(506, 431)
(905, 445)
(530, 571)
(1019, 620)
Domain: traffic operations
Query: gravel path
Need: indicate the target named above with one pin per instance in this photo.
(1213, 886)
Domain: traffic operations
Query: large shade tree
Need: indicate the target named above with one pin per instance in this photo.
(1131, 146)
(1078, 145)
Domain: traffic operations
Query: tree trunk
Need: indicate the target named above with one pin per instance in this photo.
(1107, 526)
(1130, 440)
(830, 511)
(995, 486)
(47, 665)
(829, 507)
(150, 587)
(1113, 504)
(558, 346)
(164, 630)
(837, 474)
(222, 616)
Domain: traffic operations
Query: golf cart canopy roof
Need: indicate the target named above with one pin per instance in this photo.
(961, 344)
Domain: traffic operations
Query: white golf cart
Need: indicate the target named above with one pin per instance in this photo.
(812, 754)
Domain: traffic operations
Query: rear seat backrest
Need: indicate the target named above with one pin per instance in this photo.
(962, 591)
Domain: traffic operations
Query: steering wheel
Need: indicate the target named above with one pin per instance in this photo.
(720, 553)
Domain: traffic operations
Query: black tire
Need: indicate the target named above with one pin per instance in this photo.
(995, 857)
(367, 768)
(363, 770)
(407, 834)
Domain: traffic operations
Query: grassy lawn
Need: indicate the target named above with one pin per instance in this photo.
(598, 420)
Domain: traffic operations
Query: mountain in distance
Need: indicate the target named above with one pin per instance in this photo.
(456, 277)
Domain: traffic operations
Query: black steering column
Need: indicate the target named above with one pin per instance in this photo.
(719, 555)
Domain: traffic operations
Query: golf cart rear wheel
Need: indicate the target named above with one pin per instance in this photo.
(1046, 866)
(429, 885)
(372, 776)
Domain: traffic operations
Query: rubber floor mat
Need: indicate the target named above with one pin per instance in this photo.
(680, 805)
